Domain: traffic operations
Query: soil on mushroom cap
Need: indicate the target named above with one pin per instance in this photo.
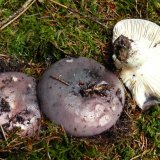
(4, 106)
(11, 64)
(88, 89)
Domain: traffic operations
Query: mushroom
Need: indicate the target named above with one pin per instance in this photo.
(18, 103)
(136, 45)
(81, 95)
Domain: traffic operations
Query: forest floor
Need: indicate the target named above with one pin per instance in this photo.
(49, 31)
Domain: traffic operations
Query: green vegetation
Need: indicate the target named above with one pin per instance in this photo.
(46, 33)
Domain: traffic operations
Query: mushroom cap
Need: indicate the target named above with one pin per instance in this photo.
(18, 103)
(138, 29)
(137, 53)
(89, 101)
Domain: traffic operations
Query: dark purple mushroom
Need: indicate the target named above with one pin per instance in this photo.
(81, 95)
(18, 103)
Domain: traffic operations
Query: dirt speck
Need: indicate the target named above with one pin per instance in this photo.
(4, 106)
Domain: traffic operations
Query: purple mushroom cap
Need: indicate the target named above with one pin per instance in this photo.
(18, 103)
(81, 95)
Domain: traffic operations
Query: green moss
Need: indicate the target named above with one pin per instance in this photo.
(149, 123)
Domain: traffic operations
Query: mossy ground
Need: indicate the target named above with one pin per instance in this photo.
(47, 33)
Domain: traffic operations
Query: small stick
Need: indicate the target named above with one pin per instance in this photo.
(60, 80)
(16, 14)
(4, 134)
(61, 50)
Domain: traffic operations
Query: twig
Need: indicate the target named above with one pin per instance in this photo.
(3, 132)
(60, 49)
(60, 80)
(49, 157)
(136, 157)
(16, 14)
(83, 15)
(136, 8)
